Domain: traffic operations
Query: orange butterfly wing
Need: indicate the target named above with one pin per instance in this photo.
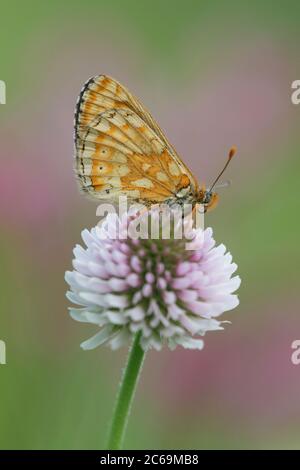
(120, 149)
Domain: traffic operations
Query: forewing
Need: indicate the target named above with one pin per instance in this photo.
(120, 149)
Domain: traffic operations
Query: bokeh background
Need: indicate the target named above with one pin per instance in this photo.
(213, 74)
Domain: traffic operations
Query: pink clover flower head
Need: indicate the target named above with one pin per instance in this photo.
(170, 294)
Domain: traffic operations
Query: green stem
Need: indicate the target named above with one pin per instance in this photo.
(126, 394)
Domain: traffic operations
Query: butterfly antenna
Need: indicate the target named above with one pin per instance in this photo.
(231, 154)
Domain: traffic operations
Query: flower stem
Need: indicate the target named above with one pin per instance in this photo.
(126, 394)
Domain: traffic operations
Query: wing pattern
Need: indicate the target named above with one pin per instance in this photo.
(120, 149)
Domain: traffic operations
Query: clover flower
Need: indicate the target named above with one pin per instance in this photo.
(156, 287)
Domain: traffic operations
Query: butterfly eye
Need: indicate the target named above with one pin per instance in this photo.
(207, 197)
(214, 199)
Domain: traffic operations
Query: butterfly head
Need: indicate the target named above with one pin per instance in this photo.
(208, 197)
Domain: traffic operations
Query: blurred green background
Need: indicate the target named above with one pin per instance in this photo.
(213, 74)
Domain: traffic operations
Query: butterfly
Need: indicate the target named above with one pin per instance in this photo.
(121, 150)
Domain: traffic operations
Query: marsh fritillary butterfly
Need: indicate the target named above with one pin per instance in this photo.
(121, 150)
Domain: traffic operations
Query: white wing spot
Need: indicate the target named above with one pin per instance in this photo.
(174, 170)
(114, 181)
(123, 170)
(103, 125)
(133, 193)
(161, 176)
(87, 168)
(146, 166)
(143, 183)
